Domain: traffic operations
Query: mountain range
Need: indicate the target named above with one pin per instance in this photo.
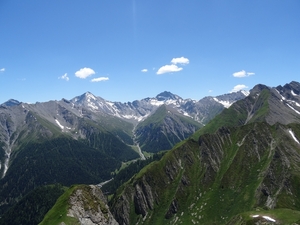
(234, 160)
(86, 115)
(241, 168)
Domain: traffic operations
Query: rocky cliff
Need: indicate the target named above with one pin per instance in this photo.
(83, 204)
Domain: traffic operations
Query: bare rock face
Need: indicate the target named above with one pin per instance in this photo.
(88, 205)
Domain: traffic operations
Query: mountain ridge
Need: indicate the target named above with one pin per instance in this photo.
(261, 128)
(246, 159)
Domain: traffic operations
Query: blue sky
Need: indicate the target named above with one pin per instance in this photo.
(124, 50)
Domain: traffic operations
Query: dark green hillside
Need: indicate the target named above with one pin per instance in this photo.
(118, 127)
(62, 160)
(2, 156)
(163, 129)
(97, 136)
(232, 171)
(110, 145)
(33, 207)
(125, 174)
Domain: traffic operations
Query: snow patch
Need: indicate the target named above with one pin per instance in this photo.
(293, 109)
(90, 96)
(265, 217)
(226, 104)
(246, 93)
(269, 218)
(173, 102)
(156, 102)
(186, 114)
(282, 98)
(293, 102)
(111, 104)
(92, 105)
(58, 123)
(293, 136)
(293, 93)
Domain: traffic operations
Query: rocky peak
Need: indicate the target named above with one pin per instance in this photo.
(11, 102)
(289, 90)
(86, 97)
(166, 95)
(258, 88)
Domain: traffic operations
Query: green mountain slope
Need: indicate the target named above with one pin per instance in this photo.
(264, 104)
(210, 181)
(163, 129)
(41, 152)
(61, 160)
(33, 207)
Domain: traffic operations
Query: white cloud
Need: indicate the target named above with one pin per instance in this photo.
(243, 73)
(180, 60)
(99, 79)
(238, 88)
(173, 67)
(2, 70)
(64, 77)
(144, 70)
(168, 69)
(84, 73)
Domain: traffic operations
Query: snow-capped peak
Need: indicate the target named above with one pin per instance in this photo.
(90, 96)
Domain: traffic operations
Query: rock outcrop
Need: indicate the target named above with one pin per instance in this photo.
(88, 206)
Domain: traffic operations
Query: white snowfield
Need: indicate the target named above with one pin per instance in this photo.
(226, 104)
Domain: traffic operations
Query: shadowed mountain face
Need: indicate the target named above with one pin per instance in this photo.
(245, 160)
(164, 128)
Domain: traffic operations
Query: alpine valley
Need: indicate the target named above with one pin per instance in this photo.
(231, 159)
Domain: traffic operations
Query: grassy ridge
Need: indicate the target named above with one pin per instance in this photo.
(58, 213)
(253, 108)
(224, 174)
